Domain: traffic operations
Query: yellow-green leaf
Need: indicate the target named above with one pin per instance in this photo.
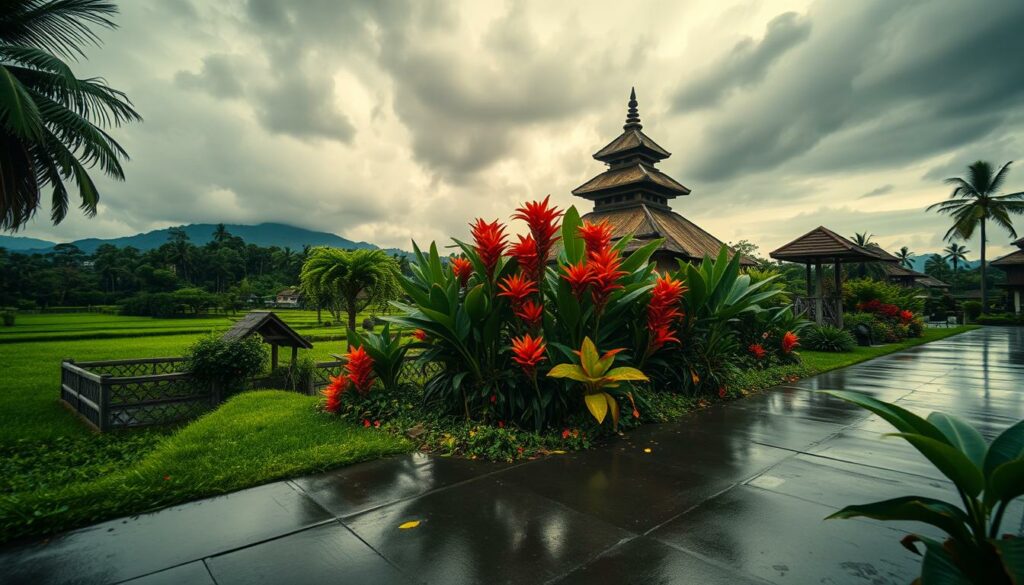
(589, 358)
(624, 373)
(613, 406)
(571, 371)
(597, 405)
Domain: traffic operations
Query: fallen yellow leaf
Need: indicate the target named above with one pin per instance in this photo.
(409, 524)
(558, 452)
(647, 449)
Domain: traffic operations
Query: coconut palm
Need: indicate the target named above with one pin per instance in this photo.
(955, 253)
(864, 240)
(353, 279)
(905, 256)
(937, 267)
(51, 123)
(974, 202)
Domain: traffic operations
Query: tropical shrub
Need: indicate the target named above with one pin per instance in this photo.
(972, 309)
(498, 317)
(828, 338)
(864, 290)
(602, 383)
(988, 476)
(226, 364)
(387, 352)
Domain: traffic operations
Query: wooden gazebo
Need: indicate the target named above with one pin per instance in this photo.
(272, 329)
(823, 246)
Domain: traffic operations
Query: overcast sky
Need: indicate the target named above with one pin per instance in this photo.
(385, 122)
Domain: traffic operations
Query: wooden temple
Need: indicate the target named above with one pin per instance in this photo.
(633, 196)
(1013, 265)
(272, 329)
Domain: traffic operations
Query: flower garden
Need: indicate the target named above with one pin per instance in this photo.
(563, 332)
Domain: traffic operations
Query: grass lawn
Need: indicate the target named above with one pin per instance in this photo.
(251, 439)
(821, 361)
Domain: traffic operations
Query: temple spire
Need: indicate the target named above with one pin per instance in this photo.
(633, 116)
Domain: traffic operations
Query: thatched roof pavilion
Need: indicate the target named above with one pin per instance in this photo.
(272, 329)
(823, 246)
(633, 196)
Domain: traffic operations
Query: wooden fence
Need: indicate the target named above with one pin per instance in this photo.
(120, 394)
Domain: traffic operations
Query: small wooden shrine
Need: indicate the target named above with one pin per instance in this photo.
(272, 329)
(633, 196)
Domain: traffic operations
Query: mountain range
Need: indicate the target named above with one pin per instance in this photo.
(918, 262)
(264, 234)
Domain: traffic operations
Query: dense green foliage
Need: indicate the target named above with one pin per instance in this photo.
(226, 364)
(987, 476)
(828, 338)
(51, 122)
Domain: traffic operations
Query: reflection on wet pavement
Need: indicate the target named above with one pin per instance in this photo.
(736, 493)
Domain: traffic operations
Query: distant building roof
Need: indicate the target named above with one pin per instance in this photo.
(1011, 259)
(919, 278)
(289, 291)
(270, 327)
(824, 245)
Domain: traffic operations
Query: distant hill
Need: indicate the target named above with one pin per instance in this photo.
(264, 234)
(920, 260)
(18, 243)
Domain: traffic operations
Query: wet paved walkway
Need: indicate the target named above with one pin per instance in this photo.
(733, 494)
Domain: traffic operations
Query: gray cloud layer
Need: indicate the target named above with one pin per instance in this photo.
(385, 120)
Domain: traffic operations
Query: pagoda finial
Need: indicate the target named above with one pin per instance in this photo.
(633, 116)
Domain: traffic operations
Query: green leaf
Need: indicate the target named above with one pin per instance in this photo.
(597, 405)
(960, 434)
(613, 407)
(950, 461)
(18, 110)
(938, 568)
(626, 374)
(904, 420)
(1011, 553)
(476, 303)
(943, 515)
(571, 241)
(639, 257)
(1009, 445)
(1005, 483)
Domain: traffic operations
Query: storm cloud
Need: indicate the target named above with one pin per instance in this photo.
(388, 121)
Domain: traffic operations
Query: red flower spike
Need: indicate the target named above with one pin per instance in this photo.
(531, 313)
(420, 335)
(604, 276)
(366, 423)
(526, 255)
(528, 352)
(722, 392)
(494, 398)
(517, 287)
(490, 240)
(906, 316)
(501, 424)
(333, 392)
(757, 350)
(789, 342)
(663, 311)
(360, 369)
(542, 219)
(462, 268)
(597, 236)
(566, 434)
(376, 424)
(578, 276)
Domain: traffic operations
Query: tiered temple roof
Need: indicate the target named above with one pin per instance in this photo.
(633, 196)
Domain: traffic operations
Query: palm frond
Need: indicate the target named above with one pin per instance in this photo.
(90, 98)
(980, 174)
(59, 26)
(997, 180)
(19, 114)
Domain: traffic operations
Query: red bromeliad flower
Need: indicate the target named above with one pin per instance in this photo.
(360, 369)
(757, 350)
(578, 277)
(490, 242)
(531, 313)
(597, 236)
(542, 218)
(889, 310)
(333, 392)
(462, 268)
(526, 255)
(663, 310)
(906, 316)
(528, 352)
(604, 276)
(517, 287)
(420, 335)
(789, 342)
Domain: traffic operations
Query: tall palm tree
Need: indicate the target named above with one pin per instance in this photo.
(355, 279)
(936, 266)
(51, 123)
(863, 240)
(956, 254)
(905, 256)
(974, 202)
